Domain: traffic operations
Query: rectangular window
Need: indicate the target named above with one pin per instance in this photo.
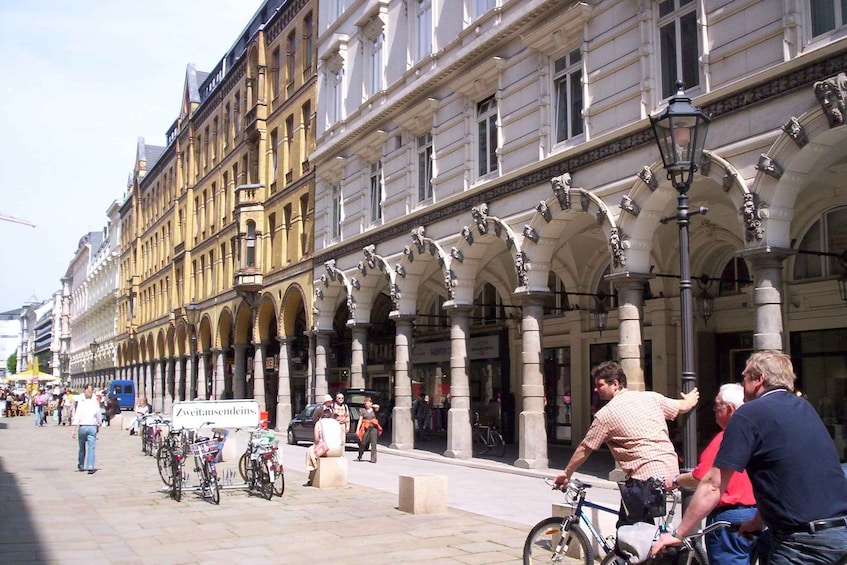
(276, 61)
(334, 111)
(307, 125)
(425, 167)
(568, 79)
(274, 155)
(289, 157)
(376, 83)
(335, 217)
(678, 40)
(308, 46)
(827, 15)
(486, 118)
(424, 28)
(290, 58)
(482, 7)
(376, 191)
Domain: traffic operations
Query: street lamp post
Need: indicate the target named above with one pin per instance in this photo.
(193, 313)
(681, 134)
(94, 345)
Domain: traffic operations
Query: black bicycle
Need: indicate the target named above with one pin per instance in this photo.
(488, 438)
(205, 451)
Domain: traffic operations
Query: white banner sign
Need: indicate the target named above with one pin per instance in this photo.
(484, 347)
(222, 413)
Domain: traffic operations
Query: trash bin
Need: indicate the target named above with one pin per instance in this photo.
(263, 419)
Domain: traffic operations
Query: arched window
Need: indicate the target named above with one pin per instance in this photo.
(735, 277)
(488, 307)
(558, 302)
(827, 235)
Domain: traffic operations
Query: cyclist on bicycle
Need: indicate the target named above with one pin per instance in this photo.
(633, 425)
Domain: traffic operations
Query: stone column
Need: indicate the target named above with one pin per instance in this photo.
(283, 395)
(630, 313)
(259, 375)
(169, 390)
(219, 387)
(239, 376)
(358, 360)
(159, 386)
(179, 378)
(190, 383)
(321, 349)
(767, 296)
(202, 391)
(402, 427)
(532, 435)
(458, 418)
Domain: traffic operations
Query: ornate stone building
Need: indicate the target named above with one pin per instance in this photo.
(489, 203)
(216, 256)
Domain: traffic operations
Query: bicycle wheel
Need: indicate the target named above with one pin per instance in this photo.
(481, 443)
(499, 444)
(164, 460)
(243, 465)
(266, 487)
(547, 543)
(211, 476)
(176, 485)
(277, 475)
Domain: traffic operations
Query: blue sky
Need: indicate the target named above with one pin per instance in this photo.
(80, 82)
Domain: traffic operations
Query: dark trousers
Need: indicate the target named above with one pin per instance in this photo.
(369, 439)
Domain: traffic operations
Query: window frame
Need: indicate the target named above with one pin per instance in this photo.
(336, 210)
(667, 80)
(425, 155)
(376, 191)
(567, 76)
(423, 49)
(487, 115)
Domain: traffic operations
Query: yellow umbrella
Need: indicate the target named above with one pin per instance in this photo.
(34, 375)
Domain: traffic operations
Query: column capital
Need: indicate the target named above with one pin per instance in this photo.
(766, 252)
(628, 277)
(282, 339)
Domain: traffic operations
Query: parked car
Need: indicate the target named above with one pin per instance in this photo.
(302, 428)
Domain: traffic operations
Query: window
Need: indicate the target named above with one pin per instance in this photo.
(274, 156)
(827, 15)
(290, 158)
(308, 46)
(334, 102)
(482, 7)
(304, 214)
(376, 191)
(678, 40)
(307, 125)
(486, 118)
(227, 132)
(275, 63)
(557, 302)
(424, 167)
(375, 83)
(290, 58)
(251, 244)
(336, 9)
(827, 235)
(735, 277)
(568, 78)
(335, 215)
(424, 28)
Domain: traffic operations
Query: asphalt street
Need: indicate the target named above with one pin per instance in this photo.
(50, 513)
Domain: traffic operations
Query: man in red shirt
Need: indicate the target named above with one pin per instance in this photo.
(737, 503)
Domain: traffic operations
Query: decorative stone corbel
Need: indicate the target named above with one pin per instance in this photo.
(754, 230)
(562, 190)
(795, 131)
(769, 166)
(647, 176)
(466, 233)
(617, 246)
(728, 179)
(830, 94)
(544, 210)
(630, 205)
(530, 233)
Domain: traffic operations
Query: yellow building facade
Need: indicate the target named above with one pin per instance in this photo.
(215, 287)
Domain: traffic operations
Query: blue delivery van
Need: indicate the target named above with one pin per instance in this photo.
(124, 391)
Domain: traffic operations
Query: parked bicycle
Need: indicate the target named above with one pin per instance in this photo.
(563, 540)
(151, 432)
(205, 451)
(488, 438)
(262, 443)
(260, 465)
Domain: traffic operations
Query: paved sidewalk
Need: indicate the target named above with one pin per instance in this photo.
(50, 513)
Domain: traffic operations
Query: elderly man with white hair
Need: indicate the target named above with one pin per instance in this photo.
(737, 503)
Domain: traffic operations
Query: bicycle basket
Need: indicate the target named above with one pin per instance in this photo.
(204, 448)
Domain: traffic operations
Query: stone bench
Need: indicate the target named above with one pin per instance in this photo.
(423, 494)
(331, 472)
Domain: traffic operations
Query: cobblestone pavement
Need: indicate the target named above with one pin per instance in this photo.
(50, 513)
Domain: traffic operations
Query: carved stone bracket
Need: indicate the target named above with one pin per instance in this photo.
(754, 230)
(467, 235)
(561, 188)
(544, 210)
(705, 163)
(647, 176)
(617, 245)
(630, 205)
(479, 214)
(520, 268)
(530, 233)
(769, 166)
(728, 179)
(831, 93)
(795, 131)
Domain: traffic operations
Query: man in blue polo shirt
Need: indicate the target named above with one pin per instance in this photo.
(797, 479)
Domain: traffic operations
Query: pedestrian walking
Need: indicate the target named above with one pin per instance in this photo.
(342, 412)
(86, 423)
(369, 430)
(783, 444)
(40, 406)
(634, 427)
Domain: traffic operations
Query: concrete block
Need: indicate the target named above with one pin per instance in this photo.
(331, 472)
(423, 494)
(234, 447)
